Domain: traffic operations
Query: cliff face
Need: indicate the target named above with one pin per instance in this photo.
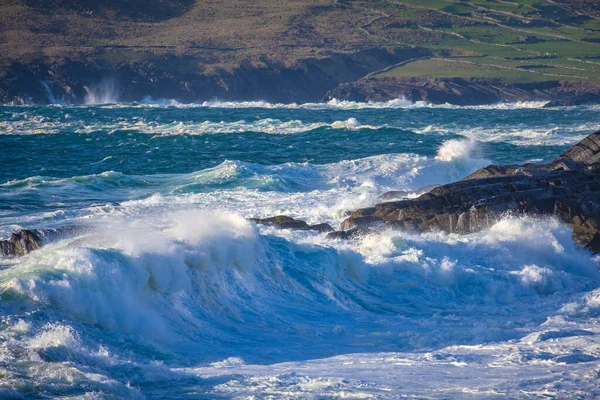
(307, 80)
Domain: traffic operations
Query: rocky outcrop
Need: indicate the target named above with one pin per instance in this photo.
(584, 154)
(470, 91)
(344, 76)
(285, 222)
(399, 194)
(568, 188)
(20, 243)
(354, 233)
(25, 241)
(576, 100)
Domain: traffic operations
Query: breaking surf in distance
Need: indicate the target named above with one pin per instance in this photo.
(337, 104)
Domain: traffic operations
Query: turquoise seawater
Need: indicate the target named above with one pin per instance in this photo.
(171, 292)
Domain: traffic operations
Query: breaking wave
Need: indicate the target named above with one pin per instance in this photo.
(321, 191)
(400, 103)
(517, 134)
(205, 286)
(39, 125)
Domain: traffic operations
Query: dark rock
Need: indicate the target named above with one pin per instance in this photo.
(169, 76)
(285, 222)
(360, 222)
(324, 227)
(577, 100)
(350, 234)
(20, 243)
(394, 194)
(492, 171)
(281, 221)
(398, 194)
(586, 153)
(594, 243)
(26, 240)
(467, 91)
(568, 188)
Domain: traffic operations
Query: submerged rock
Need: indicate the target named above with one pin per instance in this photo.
(285, 222)
(568, 188)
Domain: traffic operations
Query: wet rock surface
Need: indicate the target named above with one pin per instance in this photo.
(351, 234)
(398, 194)
(20, 243)
(568, 188)
(27, 240)
(285, 222)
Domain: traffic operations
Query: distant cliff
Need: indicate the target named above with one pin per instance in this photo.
(308, 80)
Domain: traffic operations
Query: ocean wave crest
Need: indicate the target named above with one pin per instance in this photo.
(42, 125)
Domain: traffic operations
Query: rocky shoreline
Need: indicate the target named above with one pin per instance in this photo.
(567, 189)
(341, 76)
(467, 92)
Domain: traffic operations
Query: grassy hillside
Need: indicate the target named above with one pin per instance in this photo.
(520, 41)
(516, 41)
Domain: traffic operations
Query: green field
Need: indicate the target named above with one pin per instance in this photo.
(517, 41)
(459, 68)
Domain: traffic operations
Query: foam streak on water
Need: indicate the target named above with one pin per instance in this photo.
(171, 292)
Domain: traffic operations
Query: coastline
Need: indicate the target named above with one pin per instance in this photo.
(345, 77)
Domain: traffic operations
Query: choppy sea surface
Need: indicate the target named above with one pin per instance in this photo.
(172, 293)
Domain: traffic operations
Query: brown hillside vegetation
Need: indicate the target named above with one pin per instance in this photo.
(294, 50)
